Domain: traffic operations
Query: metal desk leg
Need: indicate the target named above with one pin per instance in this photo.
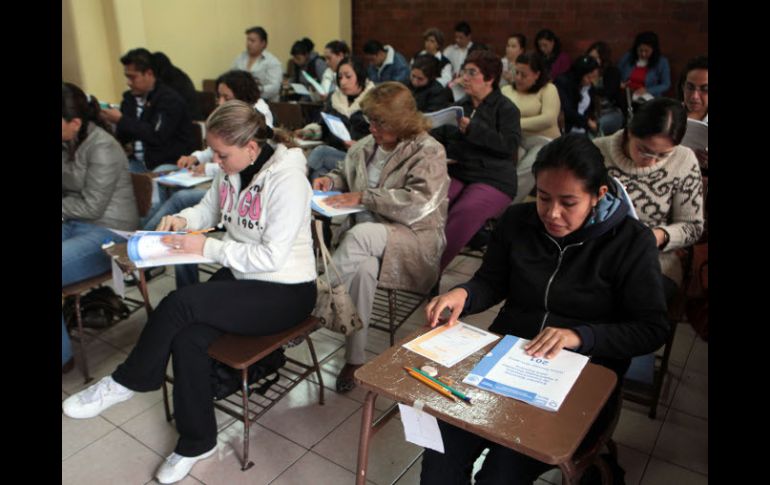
(569, 474)
(366, 435)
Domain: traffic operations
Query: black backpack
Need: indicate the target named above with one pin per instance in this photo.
(99, 308)
(225, 380)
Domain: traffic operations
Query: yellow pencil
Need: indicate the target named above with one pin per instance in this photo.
(431, 384)
(202, 231)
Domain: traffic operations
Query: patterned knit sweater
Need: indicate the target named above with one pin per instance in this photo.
(668, 195)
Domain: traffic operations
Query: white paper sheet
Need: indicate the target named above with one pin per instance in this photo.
(300, 89)
(336, 126)
(449, 345)
(421, 428)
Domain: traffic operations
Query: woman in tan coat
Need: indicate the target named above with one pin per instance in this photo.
(399, 174)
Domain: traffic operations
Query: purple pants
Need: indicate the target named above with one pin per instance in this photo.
(469, 208)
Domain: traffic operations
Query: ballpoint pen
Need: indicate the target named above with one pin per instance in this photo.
(444, 385)
(431, 384)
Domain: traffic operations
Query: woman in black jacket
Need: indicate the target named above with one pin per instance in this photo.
(481, 150)
(428, 93)
(578, 96)
(576, 272)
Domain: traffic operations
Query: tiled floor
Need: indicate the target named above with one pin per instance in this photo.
(300, 442)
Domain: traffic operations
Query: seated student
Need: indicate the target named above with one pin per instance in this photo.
(538, 101)
(578, 97)
(694, 91)
(399, 174)
(267, 283)
(606, 300)
(345, 104)
(230, 85)
(662, 179)
(179, 81)
(334, 52)
(433, 41)
(643, 69)
(549, 46)
(385, 64)
(514, 47)
(97, 192)
(304, 59)
(607, 89)
(264, 66)
(152, 116)
(481, 151)
(428, 92)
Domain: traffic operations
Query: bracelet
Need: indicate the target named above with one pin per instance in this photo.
(666, 238)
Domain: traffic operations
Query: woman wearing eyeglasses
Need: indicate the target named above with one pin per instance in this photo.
(482, 151)
(662, 179)
(398, 173)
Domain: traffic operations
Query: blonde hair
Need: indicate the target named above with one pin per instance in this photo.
(237, 122)
(393, 105)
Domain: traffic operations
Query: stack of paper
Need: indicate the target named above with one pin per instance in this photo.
(318, 205)
(446, 116)
(183, 178)
(449, 345)
(508, 371)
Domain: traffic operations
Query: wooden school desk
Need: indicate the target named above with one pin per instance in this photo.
(546, 436)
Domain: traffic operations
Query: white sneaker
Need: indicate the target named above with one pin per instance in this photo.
(176, 467)
(92, 401)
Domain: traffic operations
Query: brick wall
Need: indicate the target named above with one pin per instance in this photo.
(682, 25)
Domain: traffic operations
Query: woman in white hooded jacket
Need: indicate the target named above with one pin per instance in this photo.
(267, 283)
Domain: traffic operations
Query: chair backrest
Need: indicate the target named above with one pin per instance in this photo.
(142, 192)
(287, 115)
(207, 101)
(199, 132)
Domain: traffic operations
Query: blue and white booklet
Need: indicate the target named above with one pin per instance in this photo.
(146, 249)
(317, 204)
(508, 371)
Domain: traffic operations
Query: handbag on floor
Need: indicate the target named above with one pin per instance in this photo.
(334, 306)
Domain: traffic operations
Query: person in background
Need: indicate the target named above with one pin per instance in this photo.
(538, 101)
(578, 97)
(607, 88)
(179, 81)
(334, 52)
(345, 104)
(399, 175)
(385, 64)
(549, 45)
(694, 91)
(152, 117)
(643, 69)
(267, 283)
(428, 92)
(97, 194)
(433, 41)
(602, 299)
(456, 53)
(263, 65)
(304, 59)
(481, 151)
(514, 47)
(662, 179)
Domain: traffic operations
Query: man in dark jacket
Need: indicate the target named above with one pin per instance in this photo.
(152, 116)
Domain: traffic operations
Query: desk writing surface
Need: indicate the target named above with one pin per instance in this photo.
(547, 436)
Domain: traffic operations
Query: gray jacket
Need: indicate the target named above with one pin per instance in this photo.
(411, 200)
(96, 186)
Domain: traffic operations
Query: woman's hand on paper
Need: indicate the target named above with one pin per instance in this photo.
(463, 124)
(349, 199)
(198, 170)
(186, 161)
(185, 243)
(171, 223)
(322, 183)
(551, 340)
(454, 301)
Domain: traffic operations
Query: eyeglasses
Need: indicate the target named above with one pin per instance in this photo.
(690, 87)
(376, 122)
(644, 153)
(469, 72)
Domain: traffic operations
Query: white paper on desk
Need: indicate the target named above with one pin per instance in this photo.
(446, 116)
(317, 204)
(117, 279)
(697, 135)
(184, 178)
(449, 345)
(300, 89)
(336, 126)
(421, 428)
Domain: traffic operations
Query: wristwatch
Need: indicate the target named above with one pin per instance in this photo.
(666, 238)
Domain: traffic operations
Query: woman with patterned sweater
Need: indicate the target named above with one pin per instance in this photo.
(662, 179)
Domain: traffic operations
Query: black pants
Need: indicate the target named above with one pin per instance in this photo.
(502, 465)
(184, 325)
